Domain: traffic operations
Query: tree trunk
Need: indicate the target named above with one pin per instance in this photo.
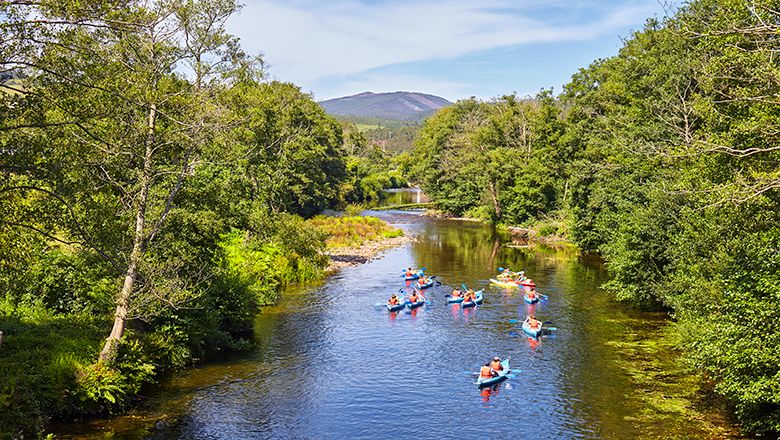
(131, 274)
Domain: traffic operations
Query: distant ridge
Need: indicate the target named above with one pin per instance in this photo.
(399, 106)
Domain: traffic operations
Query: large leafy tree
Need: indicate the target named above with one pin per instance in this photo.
(118, 112)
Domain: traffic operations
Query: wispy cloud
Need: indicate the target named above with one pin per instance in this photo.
(306, 40)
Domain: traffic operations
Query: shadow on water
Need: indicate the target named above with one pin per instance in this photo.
(328, 364)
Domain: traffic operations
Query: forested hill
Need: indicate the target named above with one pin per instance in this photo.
(397, 106)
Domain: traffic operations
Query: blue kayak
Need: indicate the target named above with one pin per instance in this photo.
(486, 382)
(414, 276)
(531, 300)
(426, 285)
(531, 332)
(477, 300)
(396, 307)
(412, 305)
(451, 300)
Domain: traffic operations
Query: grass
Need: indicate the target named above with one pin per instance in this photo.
(39, 359)
(353, 231)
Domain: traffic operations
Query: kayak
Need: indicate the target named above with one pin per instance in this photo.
(504, 283)
(426, 285)
(452, 300)
(531, 332)
(531, 300)
(413, 277)
(396, 307)
(477, 300)
(486, 382)
(412, 305)
(528, 282)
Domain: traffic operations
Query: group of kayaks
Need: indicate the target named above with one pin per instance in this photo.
(505, 279)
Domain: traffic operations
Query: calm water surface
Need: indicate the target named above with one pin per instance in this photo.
(331, 365)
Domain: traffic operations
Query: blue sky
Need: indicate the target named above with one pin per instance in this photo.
(454, 49)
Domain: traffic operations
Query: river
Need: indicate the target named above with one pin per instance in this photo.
(329, 364)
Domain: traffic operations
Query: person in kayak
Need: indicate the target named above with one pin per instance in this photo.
(486, 372)
(495, 365)
(414, 298)
(393, 301)
(533, 322)
(521, 276)
(409, 272)
(531, 293)
(422, 280)
(456, 293)
(470, 296)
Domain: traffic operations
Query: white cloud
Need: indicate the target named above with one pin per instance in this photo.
(307, 41)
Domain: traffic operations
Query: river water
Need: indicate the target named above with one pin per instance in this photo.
(329, 364)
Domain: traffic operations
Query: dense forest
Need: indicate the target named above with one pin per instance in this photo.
(153, 190)
(663, 159)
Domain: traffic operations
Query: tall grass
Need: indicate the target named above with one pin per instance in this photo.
(352, 231)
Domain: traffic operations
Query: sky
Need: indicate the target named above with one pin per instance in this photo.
(454, 49)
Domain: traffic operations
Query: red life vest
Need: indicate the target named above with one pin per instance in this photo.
(485, 372)
(393, 301)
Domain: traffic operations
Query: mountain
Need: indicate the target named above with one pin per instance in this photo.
(397, 106)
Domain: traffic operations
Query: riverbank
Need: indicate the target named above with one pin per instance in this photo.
(371, 250)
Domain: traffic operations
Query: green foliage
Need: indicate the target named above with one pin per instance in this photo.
(501, 158)
(353, 231)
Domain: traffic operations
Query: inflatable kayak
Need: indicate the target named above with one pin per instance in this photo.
(452, 300)
(531, 300)
(412, 305)
(477, 300)
(412, 277)
(426, 285)
(396, 307)
(504, 283)
(531, 332)
(486, 382)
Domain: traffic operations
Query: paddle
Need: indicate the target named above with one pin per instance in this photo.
(419, 292)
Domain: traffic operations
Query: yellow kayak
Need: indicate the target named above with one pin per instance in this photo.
(504, 283)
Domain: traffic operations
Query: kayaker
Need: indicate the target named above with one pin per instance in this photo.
(422, 280)
(496, 364)
(409, 272)
(531, 293)
(486, 372)
(413, 299)
(469, 297)
(533, 322)
(521, 276)
(393, 300)
(456, 293)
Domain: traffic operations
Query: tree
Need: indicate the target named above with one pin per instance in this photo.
(125, 128)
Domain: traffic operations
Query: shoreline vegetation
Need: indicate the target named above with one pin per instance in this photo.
(354, 240)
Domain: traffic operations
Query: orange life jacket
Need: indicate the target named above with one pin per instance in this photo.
(534, 323)
(413, 298)
(496, 365)
(393, 301)
(456, 294)
(485, 372)
(531, 294)
(408, 273)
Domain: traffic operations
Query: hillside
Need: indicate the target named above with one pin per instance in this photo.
(397, 106)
